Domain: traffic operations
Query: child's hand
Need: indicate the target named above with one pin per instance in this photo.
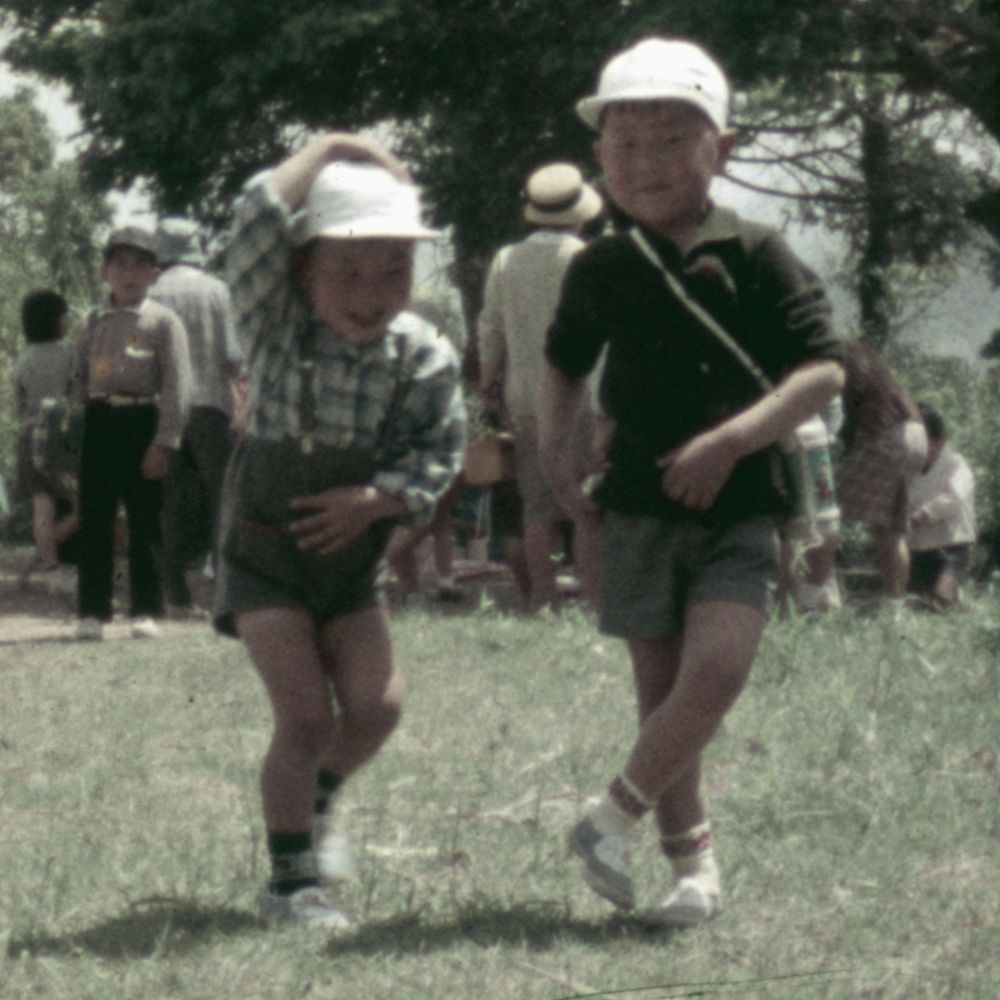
(568, 487)
(155, 463)
(338, 515)
(695, 473)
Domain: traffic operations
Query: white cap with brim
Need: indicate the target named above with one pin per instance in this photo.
(661, 69)
(354, 200)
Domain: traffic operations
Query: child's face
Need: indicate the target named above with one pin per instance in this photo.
(358, 286)
(129, 272)
(658, 159)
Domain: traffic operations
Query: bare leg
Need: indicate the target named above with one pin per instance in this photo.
(43, 519)
(357, 656)
(655, 665)
(893, 556)
(283, 644)
(719, 645)
(587, 555)
(539, 539)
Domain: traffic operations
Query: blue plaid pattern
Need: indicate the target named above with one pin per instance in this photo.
(352, 385)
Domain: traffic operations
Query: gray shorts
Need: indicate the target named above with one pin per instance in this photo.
(652, 569)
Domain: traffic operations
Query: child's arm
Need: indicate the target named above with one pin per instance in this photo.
(695, 472)
(292, 179)
(559, 402)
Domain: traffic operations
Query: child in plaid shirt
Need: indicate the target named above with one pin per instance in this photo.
(355, 423)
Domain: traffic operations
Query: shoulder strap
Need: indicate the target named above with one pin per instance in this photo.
(395, 406)
(707, 320)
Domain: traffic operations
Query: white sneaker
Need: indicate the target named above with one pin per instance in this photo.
(332, 849)
(145, 628)
(308, 906)
(606, 862)
(89, 630)
(692, 901)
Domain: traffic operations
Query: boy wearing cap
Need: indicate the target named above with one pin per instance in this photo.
(690, 502)
(522, 290)
(356, 422)
(133, 376)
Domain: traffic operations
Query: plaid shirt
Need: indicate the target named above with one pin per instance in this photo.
(352, 385)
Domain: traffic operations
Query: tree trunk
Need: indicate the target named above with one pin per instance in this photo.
(874, 294)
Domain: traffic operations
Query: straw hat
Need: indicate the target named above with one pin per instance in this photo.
(556, 195)
(349, 199)
(661, 69)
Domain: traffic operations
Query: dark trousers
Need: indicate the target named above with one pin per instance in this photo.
(192, 493)
(115, 438)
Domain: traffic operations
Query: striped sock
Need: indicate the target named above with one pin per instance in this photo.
(293, 865)
(327, 786)
(691, 852)
(628, 798)
(620, 809)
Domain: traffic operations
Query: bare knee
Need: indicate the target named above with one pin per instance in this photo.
(373, 719)
(307, 732)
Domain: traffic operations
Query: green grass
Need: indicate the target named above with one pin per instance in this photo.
(854, 792)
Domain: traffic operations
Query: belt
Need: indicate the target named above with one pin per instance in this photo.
(115, 400)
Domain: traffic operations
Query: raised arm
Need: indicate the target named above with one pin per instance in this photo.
(292, 179)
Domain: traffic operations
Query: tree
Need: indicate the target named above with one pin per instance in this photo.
(196, 95)
(47, 226)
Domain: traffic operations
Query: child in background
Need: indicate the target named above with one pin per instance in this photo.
(690, 500)
(43, 372)
(133, 374)
(942, 517)
(356, 422)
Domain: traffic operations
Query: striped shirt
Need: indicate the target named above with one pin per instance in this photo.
(352, 385)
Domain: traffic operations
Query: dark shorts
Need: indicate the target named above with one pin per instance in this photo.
(325, 597)
(652, 569)
(260, 565)
(927, 567)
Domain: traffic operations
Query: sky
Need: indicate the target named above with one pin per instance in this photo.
(957, 322)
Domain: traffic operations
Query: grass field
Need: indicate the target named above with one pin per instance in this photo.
(855, 793)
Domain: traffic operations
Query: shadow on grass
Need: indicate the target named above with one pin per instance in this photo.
(537, 927)
(162, 927)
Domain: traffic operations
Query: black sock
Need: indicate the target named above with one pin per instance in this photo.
(293, 866)
(327, 785)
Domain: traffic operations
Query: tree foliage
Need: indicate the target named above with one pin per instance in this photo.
(194, 95)
(48, 220)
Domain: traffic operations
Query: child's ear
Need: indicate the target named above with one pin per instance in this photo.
(727, 140)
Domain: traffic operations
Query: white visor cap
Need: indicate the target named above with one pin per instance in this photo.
(660, 69)
(350, 199)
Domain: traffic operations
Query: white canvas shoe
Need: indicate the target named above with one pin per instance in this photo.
(332, 848)
(309, 907)
(606, 862)
(145, 628)
(693, 900)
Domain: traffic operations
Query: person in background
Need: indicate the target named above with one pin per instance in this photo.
(942, 517)
(356, 422)
(42, 374)
(884, 449)
(522, 290)
(133, 375)
(691, 500)
(203, 303)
